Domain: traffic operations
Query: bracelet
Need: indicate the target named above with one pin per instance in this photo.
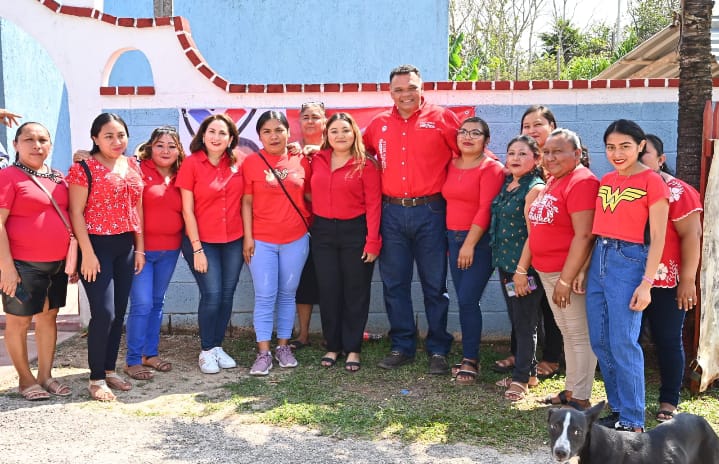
(198, 251)
(563, 283)
(648, 280)
(521, 268)
(519, 272)
(140, 253)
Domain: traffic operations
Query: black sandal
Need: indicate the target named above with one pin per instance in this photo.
(470, 374)
(562, 396)
(352, 366)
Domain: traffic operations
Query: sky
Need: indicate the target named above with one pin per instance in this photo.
(583, 13)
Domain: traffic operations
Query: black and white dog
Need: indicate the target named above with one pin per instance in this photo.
(686, 439)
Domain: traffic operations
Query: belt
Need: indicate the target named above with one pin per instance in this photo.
(410, 202)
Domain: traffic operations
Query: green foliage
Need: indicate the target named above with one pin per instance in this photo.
(459, 68)
(585, 67)
(650, 16)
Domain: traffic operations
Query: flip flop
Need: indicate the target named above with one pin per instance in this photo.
(99, 391)
(505, 365)
(298, 345)
(35, 393)
(138, 372)
(116, 382)
(664, 415)
(515, 392)
(158, 364)
(57, 388)
(352, 366)
(507, 381)
(545, 371)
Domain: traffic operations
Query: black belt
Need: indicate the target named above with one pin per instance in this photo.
(410, 202)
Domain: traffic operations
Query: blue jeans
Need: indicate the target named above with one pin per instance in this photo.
(146, 299)
(666, 322)
(217, 288)
(409, 235)
(615, 271)
(276, 271)
(469, 285)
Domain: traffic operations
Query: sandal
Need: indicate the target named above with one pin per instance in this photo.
(579, 405)
(467, 376)
(138, 372)
(298, 345)
(507, 381)
(35, 393)
(156, 363)
(329, 361)
(116, 382)
(99, 391)
(665, 415)
(504, 365)
(57, 388)
(516, 392)
(547, 370)
(352, 366)
(562, 397)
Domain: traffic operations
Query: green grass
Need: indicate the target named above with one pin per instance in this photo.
(407, 403)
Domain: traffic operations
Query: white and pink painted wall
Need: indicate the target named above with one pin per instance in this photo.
(61, 63)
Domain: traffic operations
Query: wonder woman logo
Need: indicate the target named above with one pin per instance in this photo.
(612, 198)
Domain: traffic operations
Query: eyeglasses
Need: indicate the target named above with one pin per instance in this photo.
(312, 103)
(472, 134)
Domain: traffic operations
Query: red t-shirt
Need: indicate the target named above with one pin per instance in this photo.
(413, 153)
(683, 200)
(111, 207)
(346, 193)
(274, 219)
(162, 210)
(550, 217)
(622, 204)
(217, 191)
(34, 228)
(469, 194)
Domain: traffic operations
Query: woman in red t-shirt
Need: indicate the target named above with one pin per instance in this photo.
(106, 214)
(211, 185)
(560, 239)
(345, 236)
(630, 222)
(33, 245)
(160, 158)
(276, 241)
(473, 180)
(674, 291)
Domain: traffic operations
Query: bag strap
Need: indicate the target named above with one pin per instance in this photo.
(86, 168)
(52, 200)
(279, 181)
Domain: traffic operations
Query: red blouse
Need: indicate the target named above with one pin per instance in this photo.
(162, 210)
(111, 207)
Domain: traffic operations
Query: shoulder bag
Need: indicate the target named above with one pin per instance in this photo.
(292, 202)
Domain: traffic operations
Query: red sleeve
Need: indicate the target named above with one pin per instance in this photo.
(686, 200)
(657, 189)
(305, 163)
(7, 190)
(451, 124)
(76, 175)
(368, 140)
(247, 171)
(582, 195)
(491, 183)
(185, 178)
(373, 205)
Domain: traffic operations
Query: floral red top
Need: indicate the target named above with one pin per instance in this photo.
(111, 207)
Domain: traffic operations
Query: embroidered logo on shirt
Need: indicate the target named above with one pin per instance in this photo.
(427, 125)
(543, 210)
(611, 198)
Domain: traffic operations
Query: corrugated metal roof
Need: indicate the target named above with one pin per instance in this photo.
(658, 56)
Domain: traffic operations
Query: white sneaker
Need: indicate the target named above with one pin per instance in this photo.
(208, 362)
(224, 360)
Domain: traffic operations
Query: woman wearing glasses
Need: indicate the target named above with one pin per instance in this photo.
(473, 180)
(160, 159)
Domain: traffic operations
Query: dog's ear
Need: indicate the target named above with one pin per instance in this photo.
(550, 413)
(593, 413)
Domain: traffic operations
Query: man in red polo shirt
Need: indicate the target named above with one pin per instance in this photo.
(414, 142)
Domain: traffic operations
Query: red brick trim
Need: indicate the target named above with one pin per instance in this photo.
(125, 90)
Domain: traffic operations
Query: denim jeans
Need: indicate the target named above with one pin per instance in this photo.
(276, 271)
(108, 296)
(666, 322)
(412, 234)
(615, 271)
(146, 299)
(217, 289)
(469, 285)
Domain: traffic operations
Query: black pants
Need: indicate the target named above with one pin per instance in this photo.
(108, 296)
(344, 280)
(552, 336)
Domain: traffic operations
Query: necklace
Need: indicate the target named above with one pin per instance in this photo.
(462, 169)
(52, 175)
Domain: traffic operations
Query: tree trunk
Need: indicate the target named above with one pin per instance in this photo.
(695, 85)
